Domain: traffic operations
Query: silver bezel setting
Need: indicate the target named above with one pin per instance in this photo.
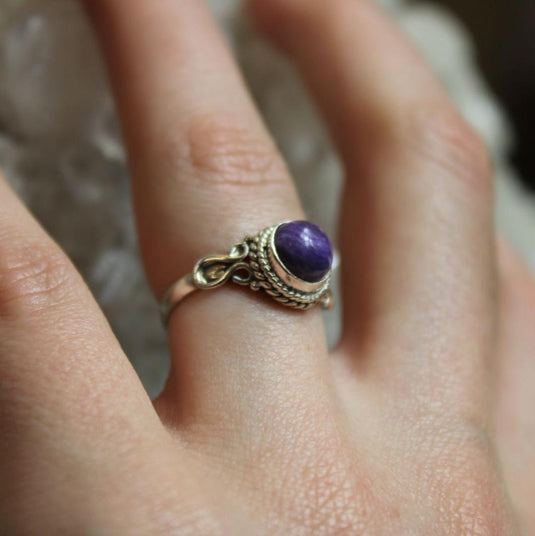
(253, 263)
(271, 276)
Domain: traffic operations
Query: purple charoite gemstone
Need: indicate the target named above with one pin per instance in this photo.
(304, 249)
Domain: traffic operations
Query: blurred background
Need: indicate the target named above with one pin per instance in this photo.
(503, 32)
(61, 149)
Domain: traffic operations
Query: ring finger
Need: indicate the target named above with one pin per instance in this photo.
(205, 174)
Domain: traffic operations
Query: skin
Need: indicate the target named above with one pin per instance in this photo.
(420, 422)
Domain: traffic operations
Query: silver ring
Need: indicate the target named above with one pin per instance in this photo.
(291, 262)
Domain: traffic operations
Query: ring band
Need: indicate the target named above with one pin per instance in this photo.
(291, 262)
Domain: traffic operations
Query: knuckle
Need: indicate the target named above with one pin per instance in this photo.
(338, 499)
(223, 150)
(32, 278)
(464, 472)
(326, 492)
(475, 506)
(442, 137)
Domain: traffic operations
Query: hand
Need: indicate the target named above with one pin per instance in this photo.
(259, 431)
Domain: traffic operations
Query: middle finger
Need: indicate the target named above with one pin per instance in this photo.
(417, 235)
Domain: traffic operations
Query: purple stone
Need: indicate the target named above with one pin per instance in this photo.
(304, 249)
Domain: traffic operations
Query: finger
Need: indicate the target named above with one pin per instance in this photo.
(514, 399)
(205, 175)
(417, 226)
(67, 392)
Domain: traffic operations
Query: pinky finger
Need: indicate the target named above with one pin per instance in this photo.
(68, 395)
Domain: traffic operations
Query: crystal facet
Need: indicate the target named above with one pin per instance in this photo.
(304, 250)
